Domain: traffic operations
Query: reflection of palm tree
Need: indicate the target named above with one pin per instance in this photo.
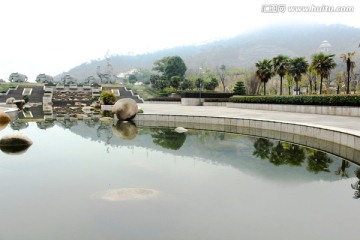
(287, 154)
(262, 148)
(318, 162)
(342, 169)
(277, 155)
(356, 186)
(294, 155)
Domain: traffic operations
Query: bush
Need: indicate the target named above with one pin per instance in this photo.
(168, 90)
(217, 99)
(165, 99)
(239, 88)
(107, 97)
(323, 100)
(206, 95)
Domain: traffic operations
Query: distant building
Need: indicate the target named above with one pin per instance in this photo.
(68, 79)
(43, 78)
(17, 77)
(325, 46)
(2, 80)
(91, 80)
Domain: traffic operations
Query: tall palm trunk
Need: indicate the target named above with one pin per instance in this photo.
(281, 78)
(348, 64)
(321, 80)
(264, 88)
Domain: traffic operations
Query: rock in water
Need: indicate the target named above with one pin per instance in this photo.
(180, 130)
(10, 100)
(125, 109)
(15, 142)
(4, 118)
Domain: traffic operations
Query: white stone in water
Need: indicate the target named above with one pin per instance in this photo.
(180, 130)
(127, 194)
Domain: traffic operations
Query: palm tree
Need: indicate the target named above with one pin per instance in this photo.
(264, 71)
(281, 64)
(322, 64)
(350, 66)
(297, 67)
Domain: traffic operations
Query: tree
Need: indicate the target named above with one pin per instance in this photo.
(322, 64)
(290, 82)
(339, 80)
(297, 67)
(132, 79)
(199, 83)
(350, 66)
(222, 75)
(154, 78)
(239, 88)
(170, 67)
(264, 71)
(252, 84)
(175, 81)
(281, 64)
(212, 84)
(186, 84)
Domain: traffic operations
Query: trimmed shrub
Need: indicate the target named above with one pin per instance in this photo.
(323, 100)
(217, 99)
(165, 99)
(107, 97)
(239, 88)
(206, 95)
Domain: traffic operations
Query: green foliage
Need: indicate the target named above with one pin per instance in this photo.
(239, 88)
(322, 64)
(297, 67)
(160, 84)
(167, 138)
(175, 81)
(170, 66)
(186, 84)
(281, 66)
(26, 98)
(107, 97)
(199, 83)
(264, 71)
(212, 84)
(325, 100)
(168, 90)
(132, 79)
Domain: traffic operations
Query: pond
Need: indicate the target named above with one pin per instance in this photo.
(92, 180)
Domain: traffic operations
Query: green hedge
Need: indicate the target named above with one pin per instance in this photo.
(164, 99)
(323, 100)
(206, 95)
(216, 99)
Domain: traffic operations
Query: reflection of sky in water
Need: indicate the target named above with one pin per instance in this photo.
(222, 193)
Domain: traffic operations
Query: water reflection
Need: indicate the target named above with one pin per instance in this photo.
(45, 124)
(125, 130)
(356, 185)
(19, 125)
(342, 170)
(168, 138)
(282, 153)
(126, 194)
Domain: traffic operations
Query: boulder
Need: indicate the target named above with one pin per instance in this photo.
(4, 118)
(125, 109)
(10, 100)
(15, 142)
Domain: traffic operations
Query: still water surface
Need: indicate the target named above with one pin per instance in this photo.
(96, 181)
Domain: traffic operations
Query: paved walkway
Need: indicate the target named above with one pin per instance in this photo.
(346, 124)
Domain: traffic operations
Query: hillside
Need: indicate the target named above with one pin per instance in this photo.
(241, 51)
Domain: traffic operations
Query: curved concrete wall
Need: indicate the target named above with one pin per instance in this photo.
(325, 110)
(332, 140)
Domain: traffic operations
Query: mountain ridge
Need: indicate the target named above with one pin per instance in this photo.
(242, 50)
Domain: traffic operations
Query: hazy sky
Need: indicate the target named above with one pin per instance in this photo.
(52, 36)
